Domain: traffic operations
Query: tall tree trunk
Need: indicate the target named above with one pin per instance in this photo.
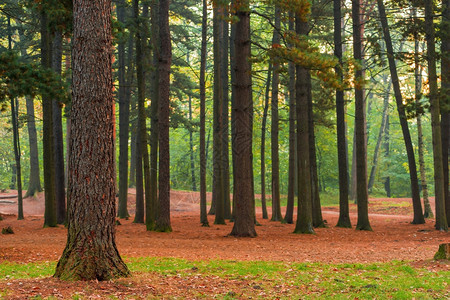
(361, 168)
(124, 121)
(380, 134)
(203, 211)
(315, 197)
(244, 212)
(445, 113)
(441, 219)
(165, 54)
(154, 108)
(218, 156)
(60, 192)
(292, 173)
(263, 144)
(233, 100)
(50, 219)
(274, 140)
(417, 206)
(344, 216)
(191, 148)
(386, 145)
(91, 252)
(304, 209)
(428, 213)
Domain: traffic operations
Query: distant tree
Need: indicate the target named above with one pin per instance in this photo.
(263, 144)
(243, 198)
(91, 252)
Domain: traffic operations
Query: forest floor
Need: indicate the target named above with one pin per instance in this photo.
(393, 237)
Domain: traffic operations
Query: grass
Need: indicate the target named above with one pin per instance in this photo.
(262, 279)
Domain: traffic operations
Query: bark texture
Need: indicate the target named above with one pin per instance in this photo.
(91, 252)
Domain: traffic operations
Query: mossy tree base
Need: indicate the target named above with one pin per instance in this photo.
(443, 252)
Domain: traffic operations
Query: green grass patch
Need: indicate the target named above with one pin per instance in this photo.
(271, 279)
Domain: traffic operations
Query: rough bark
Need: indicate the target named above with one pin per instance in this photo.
(244, 212)
(263, 145)
(344, 216)
(165, 59)
(360, 139)
(417, 205)
(203, 211)
(91, 252)
(304, 208)
(274, 140)
(441, 219)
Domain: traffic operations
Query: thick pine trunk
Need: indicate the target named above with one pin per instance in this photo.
(165, 59)
(244, 211)
(91, 252)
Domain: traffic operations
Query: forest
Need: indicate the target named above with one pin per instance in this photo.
(256, 119)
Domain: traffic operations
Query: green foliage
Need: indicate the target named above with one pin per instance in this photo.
(7, 230)
(19, 78)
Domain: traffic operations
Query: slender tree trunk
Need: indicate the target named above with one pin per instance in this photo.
(380, 134)
(417, 206)
(274, 140)
(304, 209)
(50, 219)
(203, 211)
(292, 178)
(233, 100)
(441, 219)
(124, 121)
(263, 145)
(344, 217)
(361, 168)
(163, 220)
(14, 113)
(244, 225)
(386, 145)
(91, 252)
(191, 148)
(428, 213)
(60, 192)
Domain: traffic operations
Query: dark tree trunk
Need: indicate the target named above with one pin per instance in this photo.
(292, 178)
(91, 252)
(14, 115)
(387, 179)
(154, 108)
(274, 140)
(191, 148)
(304, 209)
(344, 216)
(50, 219)
(218, 155)
(60, 192)
(315, 197)
(124, 121)
(417, 206)
(244, 212)
(360, 137)
(233, 100)
(263, 145)
(165, 58)
(445, 113)
(441, 219)
(203, 211)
